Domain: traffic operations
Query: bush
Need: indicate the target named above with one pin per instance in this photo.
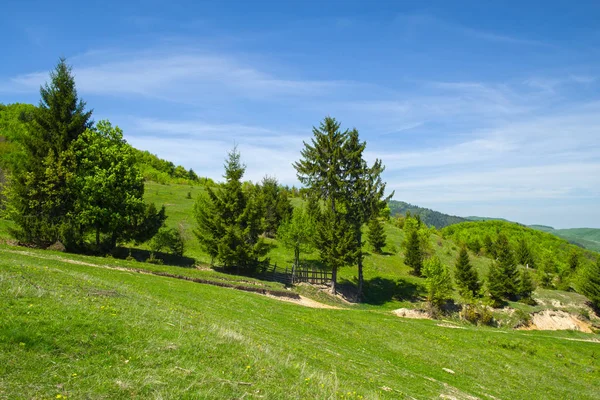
(477, 314)
(521, 319)
(153, 260)
(168, 238)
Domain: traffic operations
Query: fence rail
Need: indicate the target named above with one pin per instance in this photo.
(290, 275)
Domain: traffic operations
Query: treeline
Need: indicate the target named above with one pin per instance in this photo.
(427, 216)
(556, 262)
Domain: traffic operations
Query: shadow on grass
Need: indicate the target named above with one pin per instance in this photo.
(143, 255)
(378, 291)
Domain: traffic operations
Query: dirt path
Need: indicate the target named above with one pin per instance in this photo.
(277, 295)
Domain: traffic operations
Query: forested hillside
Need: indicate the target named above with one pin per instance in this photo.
(429, 217)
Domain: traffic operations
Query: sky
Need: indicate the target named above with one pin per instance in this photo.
(475, 108)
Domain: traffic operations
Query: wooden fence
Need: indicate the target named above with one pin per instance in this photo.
(290, 275)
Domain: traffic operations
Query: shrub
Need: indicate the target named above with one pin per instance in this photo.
(168, 238)
(477, 314)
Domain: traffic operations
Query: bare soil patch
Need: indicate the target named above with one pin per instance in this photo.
(410, 313)
(551, 320)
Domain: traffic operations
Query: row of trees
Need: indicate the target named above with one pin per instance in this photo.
(73, 179)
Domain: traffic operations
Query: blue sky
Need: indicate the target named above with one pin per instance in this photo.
(475, 108)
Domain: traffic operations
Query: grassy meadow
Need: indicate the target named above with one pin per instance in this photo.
(72, 330)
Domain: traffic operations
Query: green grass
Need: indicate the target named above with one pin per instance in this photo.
(84, 332)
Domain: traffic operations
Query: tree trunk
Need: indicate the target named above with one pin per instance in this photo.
(359, 294)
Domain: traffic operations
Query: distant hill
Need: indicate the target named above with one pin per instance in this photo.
(542, 244)
(474, 218)
(429, 217)
(588, 238)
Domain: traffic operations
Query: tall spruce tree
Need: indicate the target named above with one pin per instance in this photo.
(229, 220)
(413, 256)
(364, 199)
(322, 170)
(40, 197)
(376, 235)
(507, 266)
(466, 277)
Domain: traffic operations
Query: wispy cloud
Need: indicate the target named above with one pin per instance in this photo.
(177, 75)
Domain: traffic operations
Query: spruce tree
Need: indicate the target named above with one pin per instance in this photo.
(488, 245)
(229, 221)
(376, 235)
(413, 256)
(507, 266)
(524, 254)
(364, 198)
(590, 286)
(40, 197)
(573, 261)
(466, 277)
(526, 286)
(495, 284)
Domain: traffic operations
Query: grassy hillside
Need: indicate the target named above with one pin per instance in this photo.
(429, 217)
(78, 331)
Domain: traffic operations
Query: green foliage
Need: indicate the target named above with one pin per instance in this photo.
(413, 256)
(158, 170)
(466, 277)
(110, 189)
(297, 233)
(377, 235)
(437, 281)
(477, 314)
(333, 169)
(532, 246)
(590, 286)
(524, 254)
(495, 284)
(526, 287)
(168, 238)
(429, 217)
(229, 220)
(507, 266)
(41, 199)
(277, 206)
(336, 241)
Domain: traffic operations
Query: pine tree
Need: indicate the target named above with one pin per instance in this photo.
(488, 245)
(495, 284)
(40, 198)
(413, 256)
(229, 220)
(526, 286)
(507, 266)
(467, 280)
(437, 281)
(336, 241)
(524, 254)
(376, 235)
(364, 199)
(590, 286)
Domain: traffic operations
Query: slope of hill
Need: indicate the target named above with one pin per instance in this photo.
(474, 218)
(544, 245)
(588, 238)
(113, 334)
(429, 217)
